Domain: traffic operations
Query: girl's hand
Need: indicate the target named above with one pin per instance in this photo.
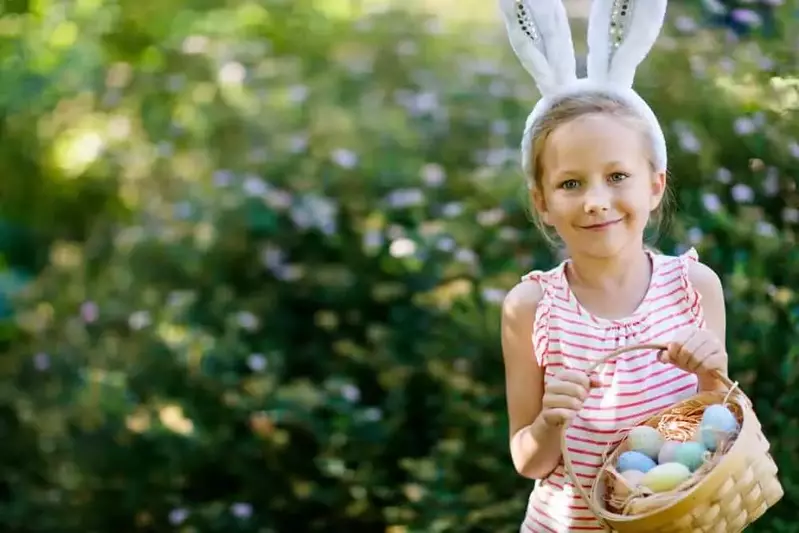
(564, 397)
(697, 351)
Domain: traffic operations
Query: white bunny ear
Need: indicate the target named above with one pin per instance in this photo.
(540, 35)
(620, 35)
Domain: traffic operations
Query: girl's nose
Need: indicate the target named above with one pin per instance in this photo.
(597, 200)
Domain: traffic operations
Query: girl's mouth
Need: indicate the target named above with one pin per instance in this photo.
(601, 225)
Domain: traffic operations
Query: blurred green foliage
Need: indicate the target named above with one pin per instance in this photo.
(257, 252)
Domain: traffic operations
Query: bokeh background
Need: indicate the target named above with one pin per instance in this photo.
(253, 254)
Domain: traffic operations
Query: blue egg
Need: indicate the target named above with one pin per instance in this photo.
(718, 425)
(720, 417)
(635, 461)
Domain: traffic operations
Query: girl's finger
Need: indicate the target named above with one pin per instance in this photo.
(715, 360)
(694, 351)
(579, 378)
(703, 355)
(673, 351)
(560, 401)
(565, 388)
(558, 417)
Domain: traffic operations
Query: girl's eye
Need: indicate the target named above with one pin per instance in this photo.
(569, 184)
(618, 176)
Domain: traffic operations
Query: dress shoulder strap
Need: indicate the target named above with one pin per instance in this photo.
(692, 297)
(547, 280)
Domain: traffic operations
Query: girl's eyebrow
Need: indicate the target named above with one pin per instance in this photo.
(607, 166)
(567, 173)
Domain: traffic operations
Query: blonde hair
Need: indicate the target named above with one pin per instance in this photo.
(573, 107)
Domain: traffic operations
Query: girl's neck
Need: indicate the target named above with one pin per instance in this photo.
(631, 266)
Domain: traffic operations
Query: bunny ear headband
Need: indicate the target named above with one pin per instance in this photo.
(620, 35)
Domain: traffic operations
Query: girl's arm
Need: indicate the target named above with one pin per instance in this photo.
(534, 444)
(708, 285)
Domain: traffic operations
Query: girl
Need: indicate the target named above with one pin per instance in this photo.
(595, 160)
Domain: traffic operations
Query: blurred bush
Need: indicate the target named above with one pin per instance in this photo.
(743, 18)
(264, 247)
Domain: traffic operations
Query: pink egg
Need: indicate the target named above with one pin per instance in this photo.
(632, 478)
(668, 451)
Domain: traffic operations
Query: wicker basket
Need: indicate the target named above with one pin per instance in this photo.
(732, 491)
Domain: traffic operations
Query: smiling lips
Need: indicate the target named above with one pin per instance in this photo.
(602, 225)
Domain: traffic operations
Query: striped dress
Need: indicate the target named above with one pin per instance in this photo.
(634, 385)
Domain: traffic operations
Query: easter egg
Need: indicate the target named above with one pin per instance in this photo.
(690, 454)
(628, 480)
(718, 425)
(665, 477)
(646, 440)
(666, 454)
(635, 461)
(633, 477)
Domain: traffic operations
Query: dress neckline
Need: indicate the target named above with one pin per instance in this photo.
(633, 318)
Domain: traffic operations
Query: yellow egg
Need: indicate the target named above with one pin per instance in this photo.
(665, 477)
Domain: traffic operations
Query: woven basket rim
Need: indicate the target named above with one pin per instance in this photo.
(747, 414)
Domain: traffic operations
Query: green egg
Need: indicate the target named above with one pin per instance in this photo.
(646, 440)
(690, 454)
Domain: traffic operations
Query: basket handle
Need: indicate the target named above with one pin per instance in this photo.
(567, 461)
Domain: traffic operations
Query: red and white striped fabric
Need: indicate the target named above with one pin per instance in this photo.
(633, 385)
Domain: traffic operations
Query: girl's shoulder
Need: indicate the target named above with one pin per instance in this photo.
(698, 273)
(703, 285)
(707, 283)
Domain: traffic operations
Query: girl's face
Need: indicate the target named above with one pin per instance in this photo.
(597, 188)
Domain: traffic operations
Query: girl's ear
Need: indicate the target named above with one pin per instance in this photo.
(539, 203)
(658, 190)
